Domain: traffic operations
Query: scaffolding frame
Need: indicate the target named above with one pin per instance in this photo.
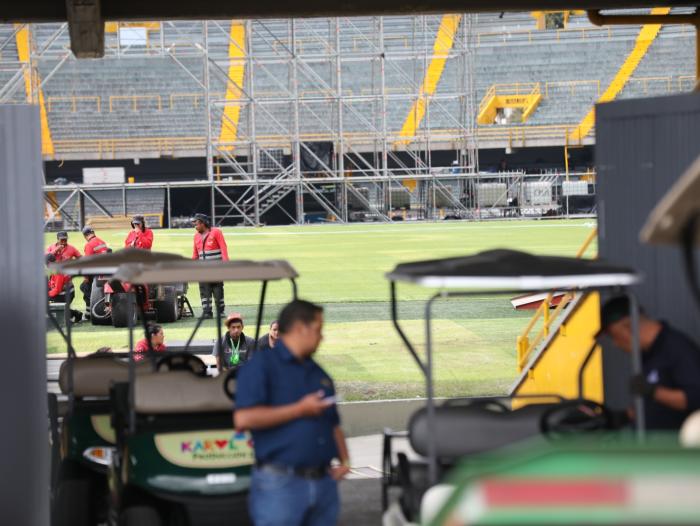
(371, 161)
(512, 196)
(368, 157)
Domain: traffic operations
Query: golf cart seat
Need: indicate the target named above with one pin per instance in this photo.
(180, 392)
(469, 429)
(462, 428)
(93, 375)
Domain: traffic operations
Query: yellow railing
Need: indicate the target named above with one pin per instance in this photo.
(135, 101)
(76, 103)
(515, 88)
(93, 103)
(572, 86)
(581, 33)
(108, 147)
(524, 344)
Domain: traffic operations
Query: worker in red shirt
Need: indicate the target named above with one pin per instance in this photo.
(140, 236)
(61, 249)
(156, 335)
(60, 289)
(94, 245)
(209, 245)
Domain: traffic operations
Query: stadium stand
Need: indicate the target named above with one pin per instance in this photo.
(151, 96)
(11, 79)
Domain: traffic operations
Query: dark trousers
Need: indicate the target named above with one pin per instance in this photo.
(86, 289)
(209, 290)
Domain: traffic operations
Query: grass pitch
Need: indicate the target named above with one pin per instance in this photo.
(343, 267)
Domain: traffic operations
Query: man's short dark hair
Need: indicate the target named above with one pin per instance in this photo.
(153, 328)
(298, 311)
(614, 310)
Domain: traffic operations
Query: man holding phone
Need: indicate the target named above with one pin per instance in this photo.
(288, 402)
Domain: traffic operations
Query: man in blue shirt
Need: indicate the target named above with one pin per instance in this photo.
(670, 379)
(288, 403)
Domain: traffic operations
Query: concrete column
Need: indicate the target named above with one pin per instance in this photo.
(24, 448)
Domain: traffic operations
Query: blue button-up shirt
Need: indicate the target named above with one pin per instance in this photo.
(274, 378)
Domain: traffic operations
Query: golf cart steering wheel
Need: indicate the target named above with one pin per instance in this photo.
(574, 417)
(182, 362)
(230, 383)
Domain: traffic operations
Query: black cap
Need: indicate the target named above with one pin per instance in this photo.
(614, 310)
(88, 230)
(62, 235)
(204, 218)
(137, 220)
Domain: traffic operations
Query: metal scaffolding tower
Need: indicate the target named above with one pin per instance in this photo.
(338, 116)
(318, 100)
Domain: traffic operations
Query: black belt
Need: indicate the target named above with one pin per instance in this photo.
(317, 472)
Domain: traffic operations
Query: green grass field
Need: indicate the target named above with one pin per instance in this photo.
(343, 267)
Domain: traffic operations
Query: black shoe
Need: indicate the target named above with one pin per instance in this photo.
(77, 317)
(207, 314)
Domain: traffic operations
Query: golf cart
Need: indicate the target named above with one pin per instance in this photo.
(83, 439)
(440, 436)
(108, 304)
(178, 460)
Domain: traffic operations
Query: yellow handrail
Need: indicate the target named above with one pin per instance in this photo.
(587, 243)
(525, 346)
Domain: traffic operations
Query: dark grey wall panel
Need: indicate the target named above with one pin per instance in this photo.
(24, 437)
(642, 147)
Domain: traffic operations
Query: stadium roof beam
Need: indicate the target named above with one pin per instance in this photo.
(599, 19)
(86, 17)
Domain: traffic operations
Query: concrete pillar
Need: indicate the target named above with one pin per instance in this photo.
(24, 448)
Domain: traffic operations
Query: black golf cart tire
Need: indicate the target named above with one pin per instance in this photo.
(120, 306)
(73, 500)
(167, 309)
(97, 294)
(140, 516)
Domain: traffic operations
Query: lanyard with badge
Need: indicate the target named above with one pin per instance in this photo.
(235, 353)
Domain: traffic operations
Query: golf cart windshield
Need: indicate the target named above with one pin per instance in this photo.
(108, 263)
(496, 272)
(205, 271)
(177, 271)
(514, 270)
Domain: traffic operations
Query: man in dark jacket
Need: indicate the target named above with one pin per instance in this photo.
(236, 347)
(670, 379)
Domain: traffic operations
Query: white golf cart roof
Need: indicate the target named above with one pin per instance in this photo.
(188, 270)
(669, 217)
(513, 270)
(108, 263)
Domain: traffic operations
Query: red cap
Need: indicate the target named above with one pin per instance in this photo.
(234, 316)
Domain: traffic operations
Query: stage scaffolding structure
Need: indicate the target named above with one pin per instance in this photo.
(315, 109)
(330, 119)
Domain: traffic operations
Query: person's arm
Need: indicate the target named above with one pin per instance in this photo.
(55, 286)
(338, 472)
(147, 239)
(673, 398)
(222, 245)
(89, 251)
(215, 352)
(265, 416)
(195, 255)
